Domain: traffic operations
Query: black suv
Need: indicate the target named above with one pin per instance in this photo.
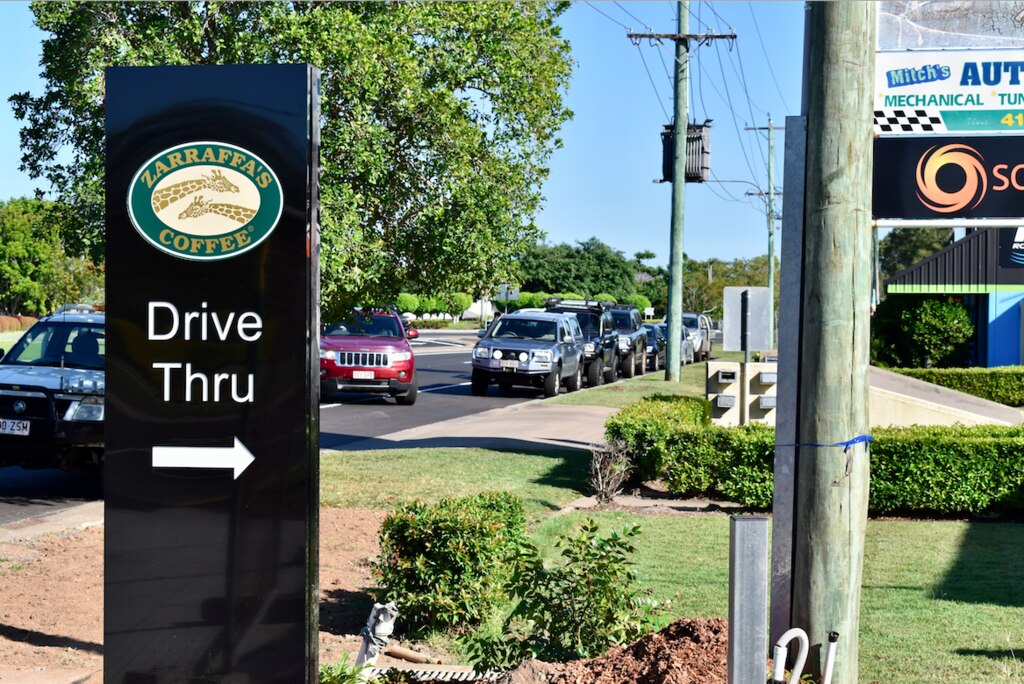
(600, 359)
(51, 393)
(632, 340)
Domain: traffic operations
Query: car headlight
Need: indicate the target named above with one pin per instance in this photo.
(401, 355)
(481, 352)
(589, 347)
(543, 355)
(327, 354)
(89, 408)
(623, 343)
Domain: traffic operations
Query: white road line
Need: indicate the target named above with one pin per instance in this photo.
(436, 389)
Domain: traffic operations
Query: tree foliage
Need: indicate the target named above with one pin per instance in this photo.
(35, 273)
(438, 122)
(588, 267)
(904, 247)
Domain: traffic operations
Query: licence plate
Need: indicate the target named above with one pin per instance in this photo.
(13, 427)
(510, 363)
(362, 375)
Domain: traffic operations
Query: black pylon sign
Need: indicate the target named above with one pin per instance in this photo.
(212, 375)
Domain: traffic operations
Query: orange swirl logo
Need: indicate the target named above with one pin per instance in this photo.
(975, 178)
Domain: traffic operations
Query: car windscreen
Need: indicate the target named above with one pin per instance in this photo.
(54, 343)
(591, 323)
(654, 330)
(691, 322)
(525, 328)
(366, 326)
(623, 320)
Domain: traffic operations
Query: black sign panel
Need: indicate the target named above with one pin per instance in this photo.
(212, 375)
(1011, 256)
(948, 177)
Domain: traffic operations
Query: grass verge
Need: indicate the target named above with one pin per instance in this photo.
(942, 601)
(544, 480)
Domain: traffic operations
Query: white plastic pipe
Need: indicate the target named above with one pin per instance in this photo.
(830, 658)
(782, 652)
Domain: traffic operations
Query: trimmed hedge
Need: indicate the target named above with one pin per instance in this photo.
(929, 469)
(446, 564)
(1002, 384)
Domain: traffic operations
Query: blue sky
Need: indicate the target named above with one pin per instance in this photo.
(601, 180)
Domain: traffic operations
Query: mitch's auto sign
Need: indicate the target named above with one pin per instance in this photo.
(944, 177)
(928, 92)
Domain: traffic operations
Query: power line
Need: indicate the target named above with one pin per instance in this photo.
(651, 78)
(606, 16)
(631, 15)
(767, 61)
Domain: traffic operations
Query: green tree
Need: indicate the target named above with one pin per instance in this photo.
(35, 273)
(588, 267)
(904, 247)
(438, 122)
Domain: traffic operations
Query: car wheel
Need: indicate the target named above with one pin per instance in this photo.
(553, 382)
(409, 398)
(594, 376)
(629, 366)
(611, 374)
(479, 384)
(654, 364)
(576, 381)
(643, 363)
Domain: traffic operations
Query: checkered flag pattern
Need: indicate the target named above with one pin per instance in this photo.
(908, 121)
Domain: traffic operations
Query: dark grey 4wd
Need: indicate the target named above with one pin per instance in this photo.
(632, 340)
(536, 349)
(601, 337)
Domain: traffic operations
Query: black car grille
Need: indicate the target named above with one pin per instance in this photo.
(32, 405)
(513, 354)
(362, 359)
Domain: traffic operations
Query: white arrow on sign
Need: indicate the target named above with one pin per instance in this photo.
(236, 458)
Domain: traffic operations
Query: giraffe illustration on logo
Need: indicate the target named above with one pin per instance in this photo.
(215, 181)
(201, 207)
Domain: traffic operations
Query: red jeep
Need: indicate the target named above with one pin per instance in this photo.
(369, 352)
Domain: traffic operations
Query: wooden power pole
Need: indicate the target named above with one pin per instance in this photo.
(832, 482)
(680, 115)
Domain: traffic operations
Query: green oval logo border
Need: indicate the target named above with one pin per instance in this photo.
(259, 227)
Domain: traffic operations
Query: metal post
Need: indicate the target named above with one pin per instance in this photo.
(748, 599)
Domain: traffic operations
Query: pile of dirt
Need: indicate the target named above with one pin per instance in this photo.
(688, 651)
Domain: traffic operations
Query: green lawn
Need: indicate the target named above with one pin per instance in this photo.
(942, 601)
(545, 481)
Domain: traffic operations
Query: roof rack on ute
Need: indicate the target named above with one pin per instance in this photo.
(75, 308)
(551, 302)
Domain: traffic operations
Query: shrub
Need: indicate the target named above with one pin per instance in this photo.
(650, 426)
(407, 302)
(638, 300)
(930, 469)
(577, 609)
(434, 324)
(1003, 384)
(610, 468)
(342, 672)
(446, 564)
(909, 330)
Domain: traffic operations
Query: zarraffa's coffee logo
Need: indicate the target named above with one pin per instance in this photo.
(205, 201)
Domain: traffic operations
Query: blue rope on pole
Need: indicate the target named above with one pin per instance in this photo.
(865, 439)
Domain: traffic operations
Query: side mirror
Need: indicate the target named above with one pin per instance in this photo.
(412, 333)
(481, 333)
(568, 339)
